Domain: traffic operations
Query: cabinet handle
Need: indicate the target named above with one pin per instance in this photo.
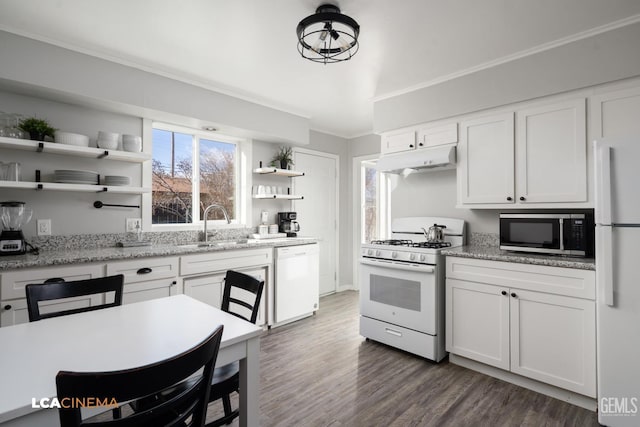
(410, 145)
(145, 270)
(513, 294)
(174, 283)
(54, 280)
(421, 144)
(7, 307)
(522, 198)
(509, 198)
(504, 292)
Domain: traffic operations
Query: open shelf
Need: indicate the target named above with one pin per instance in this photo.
(72, 150)
(278, 172)
(278, 196)
(82, 188)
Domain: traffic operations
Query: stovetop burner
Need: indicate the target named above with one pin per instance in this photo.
(431, 245)
(412, 244)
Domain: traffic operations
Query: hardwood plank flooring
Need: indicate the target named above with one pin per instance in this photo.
(319, 371)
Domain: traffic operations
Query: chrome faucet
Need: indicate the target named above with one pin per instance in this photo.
(206, 214)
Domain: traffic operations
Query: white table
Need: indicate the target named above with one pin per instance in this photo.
(31, 354)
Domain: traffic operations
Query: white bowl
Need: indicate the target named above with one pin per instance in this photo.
(133, 146)
(108, 136)
(107, 144)
(71, 139)
(132, 138)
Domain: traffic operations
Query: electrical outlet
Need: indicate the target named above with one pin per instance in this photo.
(44, 227)
(133, 225)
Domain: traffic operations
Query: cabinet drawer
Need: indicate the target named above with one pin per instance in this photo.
(144, 269)
(15, 311)
(398, 337)
(554, 280)
(224, 260)
(13, 282)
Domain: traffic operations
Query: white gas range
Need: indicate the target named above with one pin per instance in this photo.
(402, 286)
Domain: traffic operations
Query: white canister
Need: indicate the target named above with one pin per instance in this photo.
(263, 230)
(273, 228)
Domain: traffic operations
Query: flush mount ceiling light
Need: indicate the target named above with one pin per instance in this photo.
(328, 36)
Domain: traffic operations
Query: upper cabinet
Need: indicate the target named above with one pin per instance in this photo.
(485, 160)
(539, 162)
(423, 136)
(616, 114)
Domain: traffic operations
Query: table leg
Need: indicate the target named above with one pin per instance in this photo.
(250, 385)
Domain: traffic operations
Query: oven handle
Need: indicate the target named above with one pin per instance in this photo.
(399, 266)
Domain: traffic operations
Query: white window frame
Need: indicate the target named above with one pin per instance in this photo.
(242, 179)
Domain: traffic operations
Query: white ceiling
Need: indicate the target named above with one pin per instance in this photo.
(247, 48)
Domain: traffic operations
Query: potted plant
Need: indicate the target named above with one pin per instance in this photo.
(283, 156)
(37, 128)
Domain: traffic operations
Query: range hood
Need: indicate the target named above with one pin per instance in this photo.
(420, 160)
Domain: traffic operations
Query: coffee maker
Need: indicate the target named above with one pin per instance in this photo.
(14, 216)
(287, 223)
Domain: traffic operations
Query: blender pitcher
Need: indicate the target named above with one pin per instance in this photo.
(14, 216)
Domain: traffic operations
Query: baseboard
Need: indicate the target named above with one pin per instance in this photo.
(546, 389)
(347, 287)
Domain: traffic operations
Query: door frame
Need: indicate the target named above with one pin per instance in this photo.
(356, 186)
(336, 158)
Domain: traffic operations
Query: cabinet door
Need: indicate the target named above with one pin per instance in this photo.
(477, 322)
(207, 289)
(553, 340)
(616, 114)
(551, 153)
(485, 169)
(401, 141)
(433, 135)
(15, 311)
(147, 290)
(260, 274)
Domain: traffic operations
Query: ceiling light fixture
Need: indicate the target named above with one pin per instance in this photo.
(328, 36)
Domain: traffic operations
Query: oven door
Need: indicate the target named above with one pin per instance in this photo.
(398, 293)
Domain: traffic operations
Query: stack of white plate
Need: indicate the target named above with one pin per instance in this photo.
(75, 177)
(117, 180)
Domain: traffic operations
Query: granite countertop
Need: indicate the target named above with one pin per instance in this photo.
(495, 254)
(77, 256)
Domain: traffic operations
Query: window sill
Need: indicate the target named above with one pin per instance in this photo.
(211, 225)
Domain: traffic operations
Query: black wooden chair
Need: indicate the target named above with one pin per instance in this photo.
(59, 289)
(226, 379)
(188, 407)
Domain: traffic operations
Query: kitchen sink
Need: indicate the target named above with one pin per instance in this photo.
(215, 243)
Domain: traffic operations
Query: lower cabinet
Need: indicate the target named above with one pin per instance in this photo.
(540, 335)
(147, 278)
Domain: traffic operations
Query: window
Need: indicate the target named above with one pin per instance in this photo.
(190, 172)
(374, 208)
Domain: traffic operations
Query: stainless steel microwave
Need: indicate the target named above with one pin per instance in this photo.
(561, 234)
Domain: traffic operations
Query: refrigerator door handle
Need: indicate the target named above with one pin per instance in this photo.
(603, 183)
(604, 263)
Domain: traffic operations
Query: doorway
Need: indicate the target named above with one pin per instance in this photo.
(318, 211)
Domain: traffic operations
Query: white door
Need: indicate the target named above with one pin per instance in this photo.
(485, 160)
(551, 153)
(318, 212)
(477, 322)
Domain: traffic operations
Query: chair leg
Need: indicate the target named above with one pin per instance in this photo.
(226, 403)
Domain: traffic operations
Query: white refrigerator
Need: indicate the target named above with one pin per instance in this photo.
(617, 217)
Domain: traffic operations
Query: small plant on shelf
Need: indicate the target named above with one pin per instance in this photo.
(283, 157)
(37, 128)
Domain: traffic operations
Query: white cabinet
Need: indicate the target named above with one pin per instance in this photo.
(435, 134)
(551, 153)
(538, 161)
(485, 160)
(147, 278)
(207, 289)
(477, 322)
(615, 114)
(497, 314)
(14, 303)
(395, 142)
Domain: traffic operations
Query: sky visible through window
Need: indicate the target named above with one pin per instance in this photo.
(183, 148)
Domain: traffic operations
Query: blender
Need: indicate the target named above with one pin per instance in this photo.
(14, 216)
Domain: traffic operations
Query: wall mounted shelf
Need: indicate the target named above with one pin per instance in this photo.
(72, 150)
(81, 188)
(278, 196)
(278, 172)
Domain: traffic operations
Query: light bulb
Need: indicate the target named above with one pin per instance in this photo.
(343, 44)
(319, 44)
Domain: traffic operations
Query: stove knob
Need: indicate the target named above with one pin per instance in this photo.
(412, 257)
(422, 257)
(370, 252)
(377, 253)
(394, 254)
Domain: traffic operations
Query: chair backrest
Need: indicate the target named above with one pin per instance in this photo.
(246, 283)
(126, 385)
(60, 289)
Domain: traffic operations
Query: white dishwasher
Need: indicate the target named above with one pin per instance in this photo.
(297, 282)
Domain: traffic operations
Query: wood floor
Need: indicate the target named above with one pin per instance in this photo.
(320, 372)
